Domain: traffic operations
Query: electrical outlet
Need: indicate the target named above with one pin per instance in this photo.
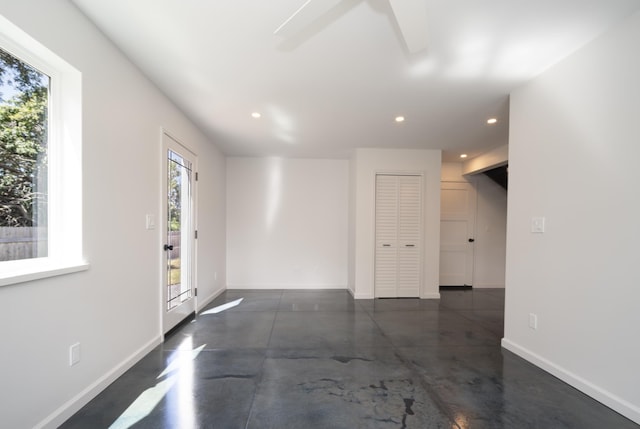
(533, 321)
(74, 354)
(537, 225)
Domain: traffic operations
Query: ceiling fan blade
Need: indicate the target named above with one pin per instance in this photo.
(411, 16)
(306, 14)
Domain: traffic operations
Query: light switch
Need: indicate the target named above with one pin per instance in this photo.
(151, 222)
(74, 354)
(537, 225)
(533, 321)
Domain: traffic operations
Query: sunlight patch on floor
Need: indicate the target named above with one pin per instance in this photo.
(222, 307)
(180, 374)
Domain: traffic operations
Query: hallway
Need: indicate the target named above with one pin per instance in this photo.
(319, 359)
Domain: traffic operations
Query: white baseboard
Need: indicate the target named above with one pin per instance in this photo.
(363, 296)
(434, 295)
(288, 287)
(609, 399)
(202, 303)
(370, 296)
(73, 405)
(488, 286)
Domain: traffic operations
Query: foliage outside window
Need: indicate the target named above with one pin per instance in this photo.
(24, 99)
(175, 182)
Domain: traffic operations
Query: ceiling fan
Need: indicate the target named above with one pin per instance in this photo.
(410, 15)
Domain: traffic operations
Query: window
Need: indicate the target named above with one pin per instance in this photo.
(24, 101)
(40, 161)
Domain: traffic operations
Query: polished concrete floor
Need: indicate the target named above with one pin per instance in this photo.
(319, 359)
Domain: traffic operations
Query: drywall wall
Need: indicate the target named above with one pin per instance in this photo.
(351, 248)
(368, 162)
(112, 309)
(491, 234)
(491, 226)
(287, 223)
(573, 155)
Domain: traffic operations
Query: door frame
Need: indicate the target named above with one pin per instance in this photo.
(171, 318)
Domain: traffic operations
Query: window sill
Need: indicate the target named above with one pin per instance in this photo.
(40, 270)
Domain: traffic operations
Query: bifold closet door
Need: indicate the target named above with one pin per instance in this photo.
(386, 258)
(398, 220)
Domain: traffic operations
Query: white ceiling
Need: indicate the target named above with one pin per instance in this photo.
(339, 82)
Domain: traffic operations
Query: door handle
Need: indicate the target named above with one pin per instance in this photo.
(409, 245)
(168, 247)
(471, 240)
(386, 245)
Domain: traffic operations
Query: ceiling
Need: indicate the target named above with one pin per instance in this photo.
(339, 81)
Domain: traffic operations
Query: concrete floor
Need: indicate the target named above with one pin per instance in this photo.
(319, 359)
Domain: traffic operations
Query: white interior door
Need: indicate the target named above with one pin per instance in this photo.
(409, 233)
(457, 232)
(398, 222)
(386, 223)
(178, 273)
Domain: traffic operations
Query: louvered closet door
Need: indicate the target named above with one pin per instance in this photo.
(409, 214)
(398, 230)
(386, 263)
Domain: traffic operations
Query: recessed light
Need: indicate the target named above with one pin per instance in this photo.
(399, 119)
(464, 155)
(256, 115)
(491, 121)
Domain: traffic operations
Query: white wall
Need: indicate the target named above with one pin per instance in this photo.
(491, 235)
(368, 162)
(353, 198)
(491, 226)
(287, 223)
(574, 150)
(113, 309)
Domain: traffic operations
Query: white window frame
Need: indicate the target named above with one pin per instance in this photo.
(65, 253)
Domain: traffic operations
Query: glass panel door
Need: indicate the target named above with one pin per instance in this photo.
(178, 229)
(178, 267)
